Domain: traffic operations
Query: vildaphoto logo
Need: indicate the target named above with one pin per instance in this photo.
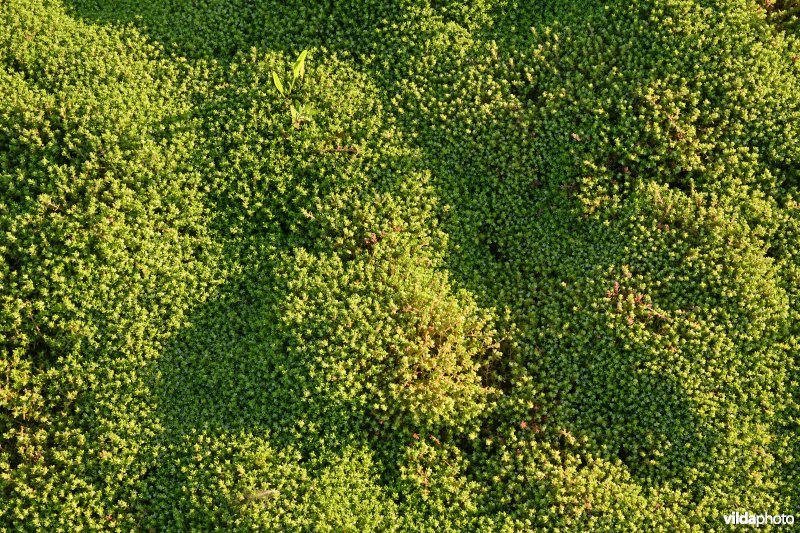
(752, 519)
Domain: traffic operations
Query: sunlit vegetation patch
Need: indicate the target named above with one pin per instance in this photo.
(374, 266)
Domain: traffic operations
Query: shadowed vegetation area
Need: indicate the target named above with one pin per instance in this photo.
(476, 266)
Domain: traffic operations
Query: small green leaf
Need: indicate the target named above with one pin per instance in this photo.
(296, 117)
(299, 68)
(278, 83)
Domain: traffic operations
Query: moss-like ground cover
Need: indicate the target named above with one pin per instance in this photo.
(528, 265)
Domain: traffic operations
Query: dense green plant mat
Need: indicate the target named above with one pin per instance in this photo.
(507, 265)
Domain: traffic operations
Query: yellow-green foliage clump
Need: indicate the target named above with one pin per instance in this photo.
(490, 266)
